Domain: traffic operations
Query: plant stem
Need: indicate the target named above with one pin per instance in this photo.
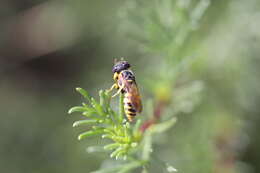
(147, 146)
(121, 107)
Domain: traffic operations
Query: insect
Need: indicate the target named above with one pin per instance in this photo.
(125, 83)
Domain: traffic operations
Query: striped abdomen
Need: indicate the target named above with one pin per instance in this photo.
(129, 108)
(132, 99)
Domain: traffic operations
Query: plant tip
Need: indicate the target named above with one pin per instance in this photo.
(125, 157)
(134, 144)
(79, 138)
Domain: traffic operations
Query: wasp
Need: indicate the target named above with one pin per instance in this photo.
(126, 84)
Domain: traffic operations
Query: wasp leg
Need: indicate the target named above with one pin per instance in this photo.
(113, 86)
(118, 92)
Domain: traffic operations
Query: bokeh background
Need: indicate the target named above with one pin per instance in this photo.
(47, 48)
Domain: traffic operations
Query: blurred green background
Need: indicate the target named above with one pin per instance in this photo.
(47, 48)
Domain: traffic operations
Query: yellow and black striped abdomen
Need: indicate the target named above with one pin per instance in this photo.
(129, 108)
(132, 99)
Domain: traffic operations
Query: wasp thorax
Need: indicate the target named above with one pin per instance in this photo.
(128, 75)
(121, 65)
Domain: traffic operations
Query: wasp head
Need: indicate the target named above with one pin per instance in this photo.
(120, 66)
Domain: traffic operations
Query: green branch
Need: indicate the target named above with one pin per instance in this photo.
(106, 123)
(126, 141)
(121, 107)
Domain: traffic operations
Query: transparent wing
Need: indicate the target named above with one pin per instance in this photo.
(134, 95)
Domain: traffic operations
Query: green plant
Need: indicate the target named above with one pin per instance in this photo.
(169, 39)
(108, 124)
(126, 140)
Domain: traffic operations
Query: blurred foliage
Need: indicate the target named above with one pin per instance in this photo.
(205, 72)
(161, 85)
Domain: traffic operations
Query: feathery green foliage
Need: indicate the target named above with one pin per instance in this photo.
(125, 138)
(166, 28)
(107, 124)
